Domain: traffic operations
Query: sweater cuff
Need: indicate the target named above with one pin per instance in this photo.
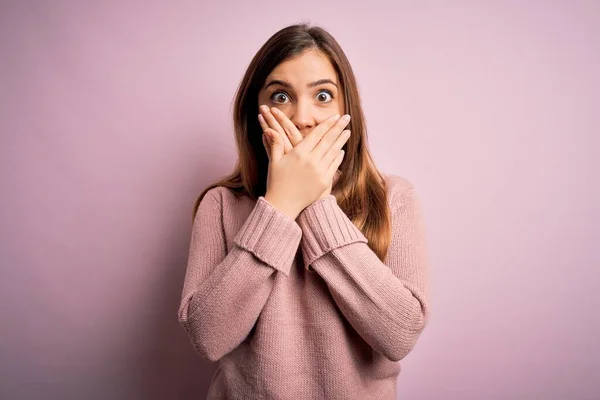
(325, 227)
(271, 235)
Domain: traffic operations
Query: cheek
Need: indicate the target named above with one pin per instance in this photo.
(337, 107)
(261, 100)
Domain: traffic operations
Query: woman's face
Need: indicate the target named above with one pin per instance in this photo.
(305, 88)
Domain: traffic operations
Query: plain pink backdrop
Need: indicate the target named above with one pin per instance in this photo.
(114, 116)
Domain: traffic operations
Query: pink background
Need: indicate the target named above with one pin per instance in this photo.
(114, 116)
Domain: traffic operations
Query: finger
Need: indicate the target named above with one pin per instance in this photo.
(263, 124)
(263, 119)
(312, 139)
(288, 126)
(329, 138)
(333, 167)
(265, 127)
(334, 150)
(276, 151)
(274, 124)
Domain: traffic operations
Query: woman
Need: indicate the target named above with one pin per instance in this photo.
(307, 273)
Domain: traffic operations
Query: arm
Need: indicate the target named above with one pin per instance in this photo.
(386, 303)
(224, 293)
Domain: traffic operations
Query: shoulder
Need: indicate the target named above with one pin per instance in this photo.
(226, 200)
(405, 205)
(397, 186)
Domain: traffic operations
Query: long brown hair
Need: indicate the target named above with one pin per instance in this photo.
(361, 189)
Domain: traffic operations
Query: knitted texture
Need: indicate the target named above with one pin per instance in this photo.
(303, 309)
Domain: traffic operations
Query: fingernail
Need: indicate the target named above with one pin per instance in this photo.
(264, 108)
(336, 117)
(345, 118)
(261, 119)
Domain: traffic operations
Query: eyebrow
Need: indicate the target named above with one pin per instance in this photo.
(310, 85)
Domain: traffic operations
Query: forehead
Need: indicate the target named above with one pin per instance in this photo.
(308, 66)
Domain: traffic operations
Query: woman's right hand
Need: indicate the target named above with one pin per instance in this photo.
(297, 178)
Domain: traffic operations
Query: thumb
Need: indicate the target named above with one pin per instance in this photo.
(276, 147)
(266, 145)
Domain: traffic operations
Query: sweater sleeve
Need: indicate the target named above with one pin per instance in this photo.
(224, 292)
(385, 302)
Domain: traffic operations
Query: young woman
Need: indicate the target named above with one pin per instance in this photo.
(307, 272)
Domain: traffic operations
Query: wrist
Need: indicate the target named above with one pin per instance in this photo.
(282, 206)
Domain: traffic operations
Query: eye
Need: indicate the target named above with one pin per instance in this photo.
(278, 94)
(276, 97)
(320, 96)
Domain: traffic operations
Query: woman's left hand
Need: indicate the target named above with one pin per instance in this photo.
(279, 124)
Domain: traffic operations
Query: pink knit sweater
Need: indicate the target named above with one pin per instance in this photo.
(281, 330)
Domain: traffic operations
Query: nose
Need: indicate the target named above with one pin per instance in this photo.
(303, 117)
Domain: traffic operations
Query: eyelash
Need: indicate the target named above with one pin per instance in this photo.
(320, 91)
